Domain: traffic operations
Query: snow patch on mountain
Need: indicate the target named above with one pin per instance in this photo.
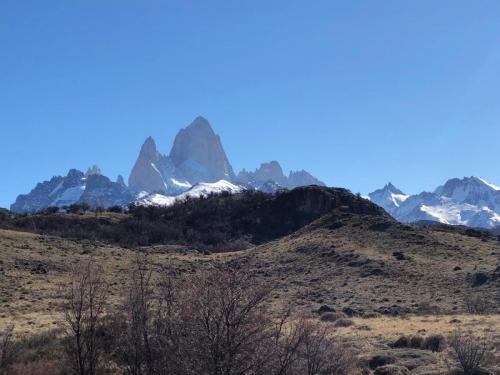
(202, 189)
(470, 201)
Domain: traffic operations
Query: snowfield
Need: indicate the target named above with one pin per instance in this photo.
(199, 190)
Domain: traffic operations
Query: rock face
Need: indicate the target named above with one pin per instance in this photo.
(76, 187)
(100, 191)
(270, 176)
(198, 154)
(152, 172)
(470, 201)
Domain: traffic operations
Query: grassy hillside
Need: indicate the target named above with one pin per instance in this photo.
(333, 253)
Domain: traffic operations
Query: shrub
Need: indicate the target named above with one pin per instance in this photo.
(469, 351)
(434, 343)
(332, 316)
(116, 209)
(33, 347)
(416, 342)
(371, 315)
(5, 349)
(401, 342)
(476, 304)
(78, 208)
(344, 323)
(50, 211)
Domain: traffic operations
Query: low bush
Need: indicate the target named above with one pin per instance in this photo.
(434, 343)
(416, 342)
(332, 316)
(344, 323)
(476, 304)
(401, 342)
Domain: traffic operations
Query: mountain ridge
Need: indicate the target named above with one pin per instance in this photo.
(470, 201)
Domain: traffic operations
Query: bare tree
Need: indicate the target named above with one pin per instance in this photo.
(285, 344)
(215, 322)
(83, 316)
(137, 352)
(224, 315)
(5, 348)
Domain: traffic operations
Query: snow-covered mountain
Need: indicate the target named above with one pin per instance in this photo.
(196, 165)
(202, 189)
(76, 187)
(470, 201)
(389, 197)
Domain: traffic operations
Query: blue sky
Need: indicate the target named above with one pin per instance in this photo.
(357, 92)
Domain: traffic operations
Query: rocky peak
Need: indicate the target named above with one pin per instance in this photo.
(198, 154)
(148, 149)
(389, 197)
(302, 178)
(94, 170)
(150, 169)
(272, 172)
(120, 180)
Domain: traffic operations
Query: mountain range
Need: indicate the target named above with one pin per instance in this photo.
(470, 201)
(196, 165)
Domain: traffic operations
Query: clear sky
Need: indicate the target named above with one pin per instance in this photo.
(357, 92)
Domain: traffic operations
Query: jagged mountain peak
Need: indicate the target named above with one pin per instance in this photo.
(148, 148)
(120, 180)
(198, 154)
(93, 170)
(389, 187)
(389, 197)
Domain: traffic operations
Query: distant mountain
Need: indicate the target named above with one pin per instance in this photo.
(470, 201)
(76, 187)
(389, 197)
(196, 163)
(196, 156)
(270, 176)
